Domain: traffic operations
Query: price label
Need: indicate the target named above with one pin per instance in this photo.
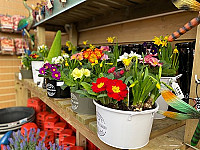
(177, 90)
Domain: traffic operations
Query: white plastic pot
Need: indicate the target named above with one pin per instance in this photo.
(161, 102)
(124, 129)
(36, 65)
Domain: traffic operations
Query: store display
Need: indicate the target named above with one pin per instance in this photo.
(6, 23)
(20, 46)
(7, 46)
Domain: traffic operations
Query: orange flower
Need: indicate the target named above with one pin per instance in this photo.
(92, 57)
(87, 53)
(98, 52)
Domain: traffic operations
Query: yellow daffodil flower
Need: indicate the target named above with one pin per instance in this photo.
(157, 41)
(166, 38)
(175, 50)
(110, 39)
(92, 46)
(66, 64)
(164, 43)
(127, 62)
(101, 64)
(85, 42)
(67, 44)
(158, 85)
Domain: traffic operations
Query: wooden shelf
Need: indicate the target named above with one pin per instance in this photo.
(91, 13)
(84, 124)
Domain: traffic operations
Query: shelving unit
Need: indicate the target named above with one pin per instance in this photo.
(130, 21)
(85, 125)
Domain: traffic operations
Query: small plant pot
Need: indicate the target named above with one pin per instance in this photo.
(124, 129)
(36, 65)
(26, 74)
(54, 89)
(161, 102)
(82, 105)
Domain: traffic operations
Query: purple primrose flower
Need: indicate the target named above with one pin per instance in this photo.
(42, 71)
(47, 66)
(53, 69)
(56, 75)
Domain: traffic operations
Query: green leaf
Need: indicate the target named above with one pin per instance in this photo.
(122, 78)
(102, 95)
(128, 79)
(101, 75)
(81, 92)
(110, 76)
(86, 86)
(92, 93)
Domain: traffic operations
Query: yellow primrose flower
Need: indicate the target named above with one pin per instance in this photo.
(66, 64)
(164, 43)
(127, 62)
(157, 41)
(92, 46)
(175, 50)
(93, 64)
(85, 42)
(96, 61)
(76, 73)
(86, 72)
(110, 39)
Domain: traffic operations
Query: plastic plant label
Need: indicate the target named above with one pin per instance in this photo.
(63, 1)
(20, 76)
(59, 83)
(177, 90)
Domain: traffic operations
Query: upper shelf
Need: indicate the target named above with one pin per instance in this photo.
(91, 13)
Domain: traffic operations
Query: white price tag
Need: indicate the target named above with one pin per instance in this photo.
(60, 83)
(177, 90)
(20, 76)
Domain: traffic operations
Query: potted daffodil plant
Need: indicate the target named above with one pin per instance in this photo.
(125, 97)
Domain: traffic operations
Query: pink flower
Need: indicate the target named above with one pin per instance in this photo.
(154, 62)
(111, 70)
(104, 57)
(78, 56)
(121, 72)
(105, 48)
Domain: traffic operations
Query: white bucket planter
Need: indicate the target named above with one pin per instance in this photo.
(124, 129)
(36, 65)
(161, 102)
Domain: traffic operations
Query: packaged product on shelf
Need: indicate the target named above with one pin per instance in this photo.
(7, 46)
(6, 23)
(20, 46)
(16, 19)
